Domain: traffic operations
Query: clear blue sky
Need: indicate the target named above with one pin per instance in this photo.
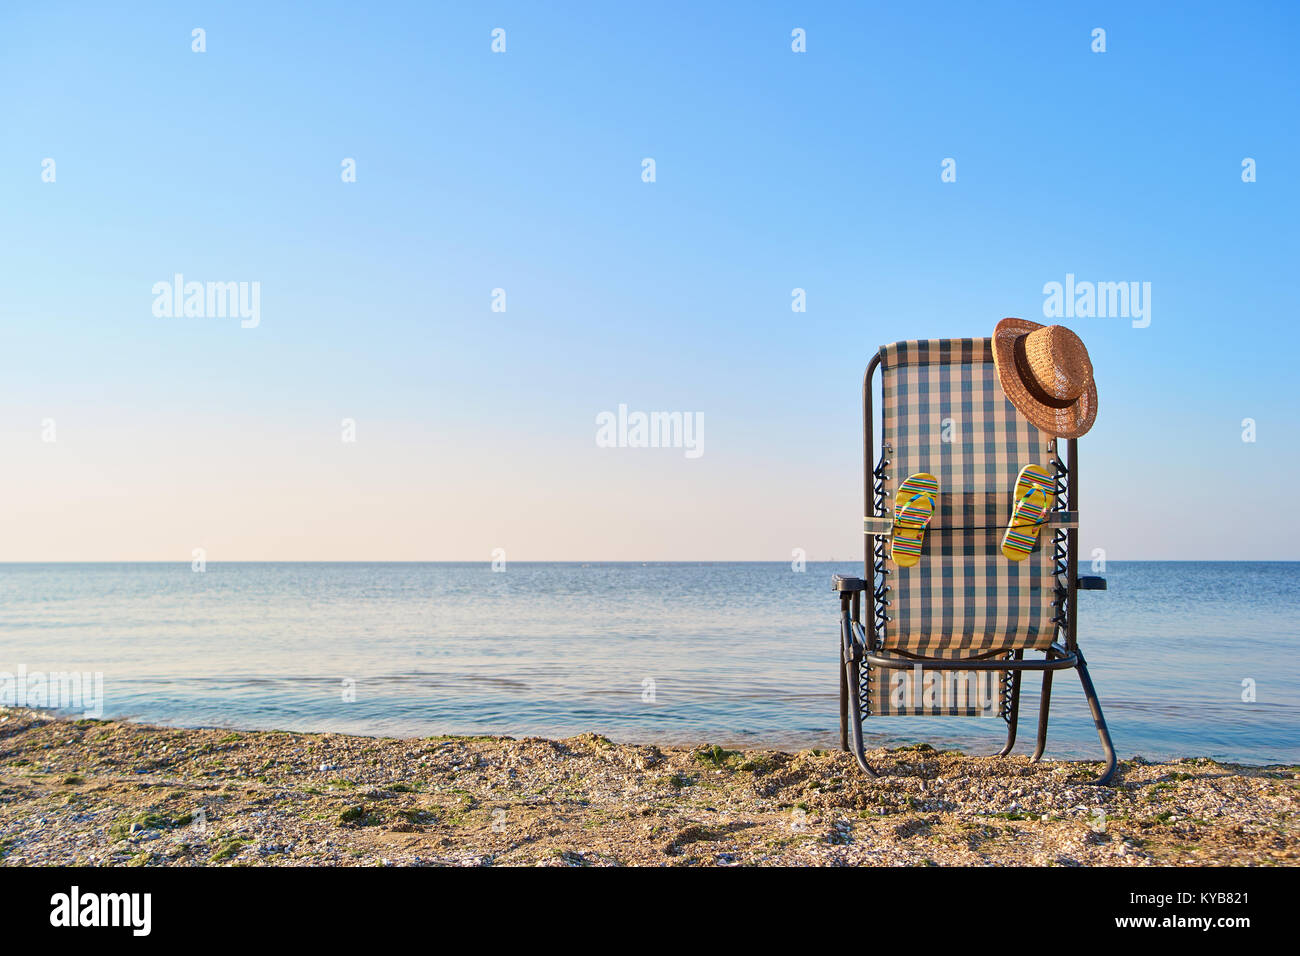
(522, 170)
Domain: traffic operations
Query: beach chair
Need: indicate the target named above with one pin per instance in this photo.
(954, 634)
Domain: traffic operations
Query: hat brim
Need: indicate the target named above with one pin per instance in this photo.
(1069, 422)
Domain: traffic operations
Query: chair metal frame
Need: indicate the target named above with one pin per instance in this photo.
(860, 645)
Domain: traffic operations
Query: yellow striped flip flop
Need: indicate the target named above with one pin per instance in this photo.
(913, 509)
(1031, 501)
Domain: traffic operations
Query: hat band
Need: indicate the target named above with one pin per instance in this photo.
(1030, 382)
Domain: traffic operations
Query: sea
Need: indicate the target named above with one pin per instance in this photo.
(1189, 658)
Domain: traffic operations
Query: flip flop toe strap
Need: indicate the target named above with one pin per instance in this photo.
(1027, 509)
(909, 516)
(1020, 536)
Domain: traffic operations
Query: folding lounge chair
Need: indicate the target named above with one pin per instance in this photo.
(952, 635)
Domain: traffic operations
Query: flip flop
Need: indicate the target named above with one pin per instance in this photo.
(913, 509)
(1032, 499)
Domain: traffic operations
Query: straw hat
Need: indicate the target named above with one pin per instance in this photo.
(1046, 372)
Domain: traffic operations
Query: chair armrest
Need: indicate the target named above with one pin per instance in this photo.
(1090, 583)
(842, 582)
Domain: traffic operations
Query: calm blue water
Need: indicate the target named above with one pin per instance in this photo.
(737, 653)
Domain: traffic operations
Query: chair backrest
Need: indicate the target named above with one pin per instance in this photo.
(945, 413)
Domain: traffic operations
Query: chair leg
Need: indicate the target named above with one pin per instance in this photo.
(1044, 707)
(1103, 731)
(850, 689)
(844, 703)
(855, 721)
(1013, 716)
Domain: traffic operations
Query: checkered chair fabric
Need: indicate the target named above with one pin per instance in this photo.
(945, 413)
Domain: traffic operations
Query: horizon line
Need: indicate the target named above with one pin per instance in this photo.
(488, 561)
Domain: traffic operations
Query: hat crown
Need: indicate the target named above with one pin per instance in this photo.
(1059, 362)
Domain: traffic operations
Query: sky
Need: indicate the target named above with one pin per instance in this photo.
(127, 435)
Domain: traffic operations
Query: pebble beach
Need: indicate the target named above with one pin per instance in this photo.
(110, 793)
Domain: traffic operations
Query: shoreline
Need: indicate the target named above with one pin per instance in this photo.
(821, 742)
(102, 792)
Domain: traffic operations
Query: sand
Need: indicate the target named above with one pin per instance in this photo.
(115, 793)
